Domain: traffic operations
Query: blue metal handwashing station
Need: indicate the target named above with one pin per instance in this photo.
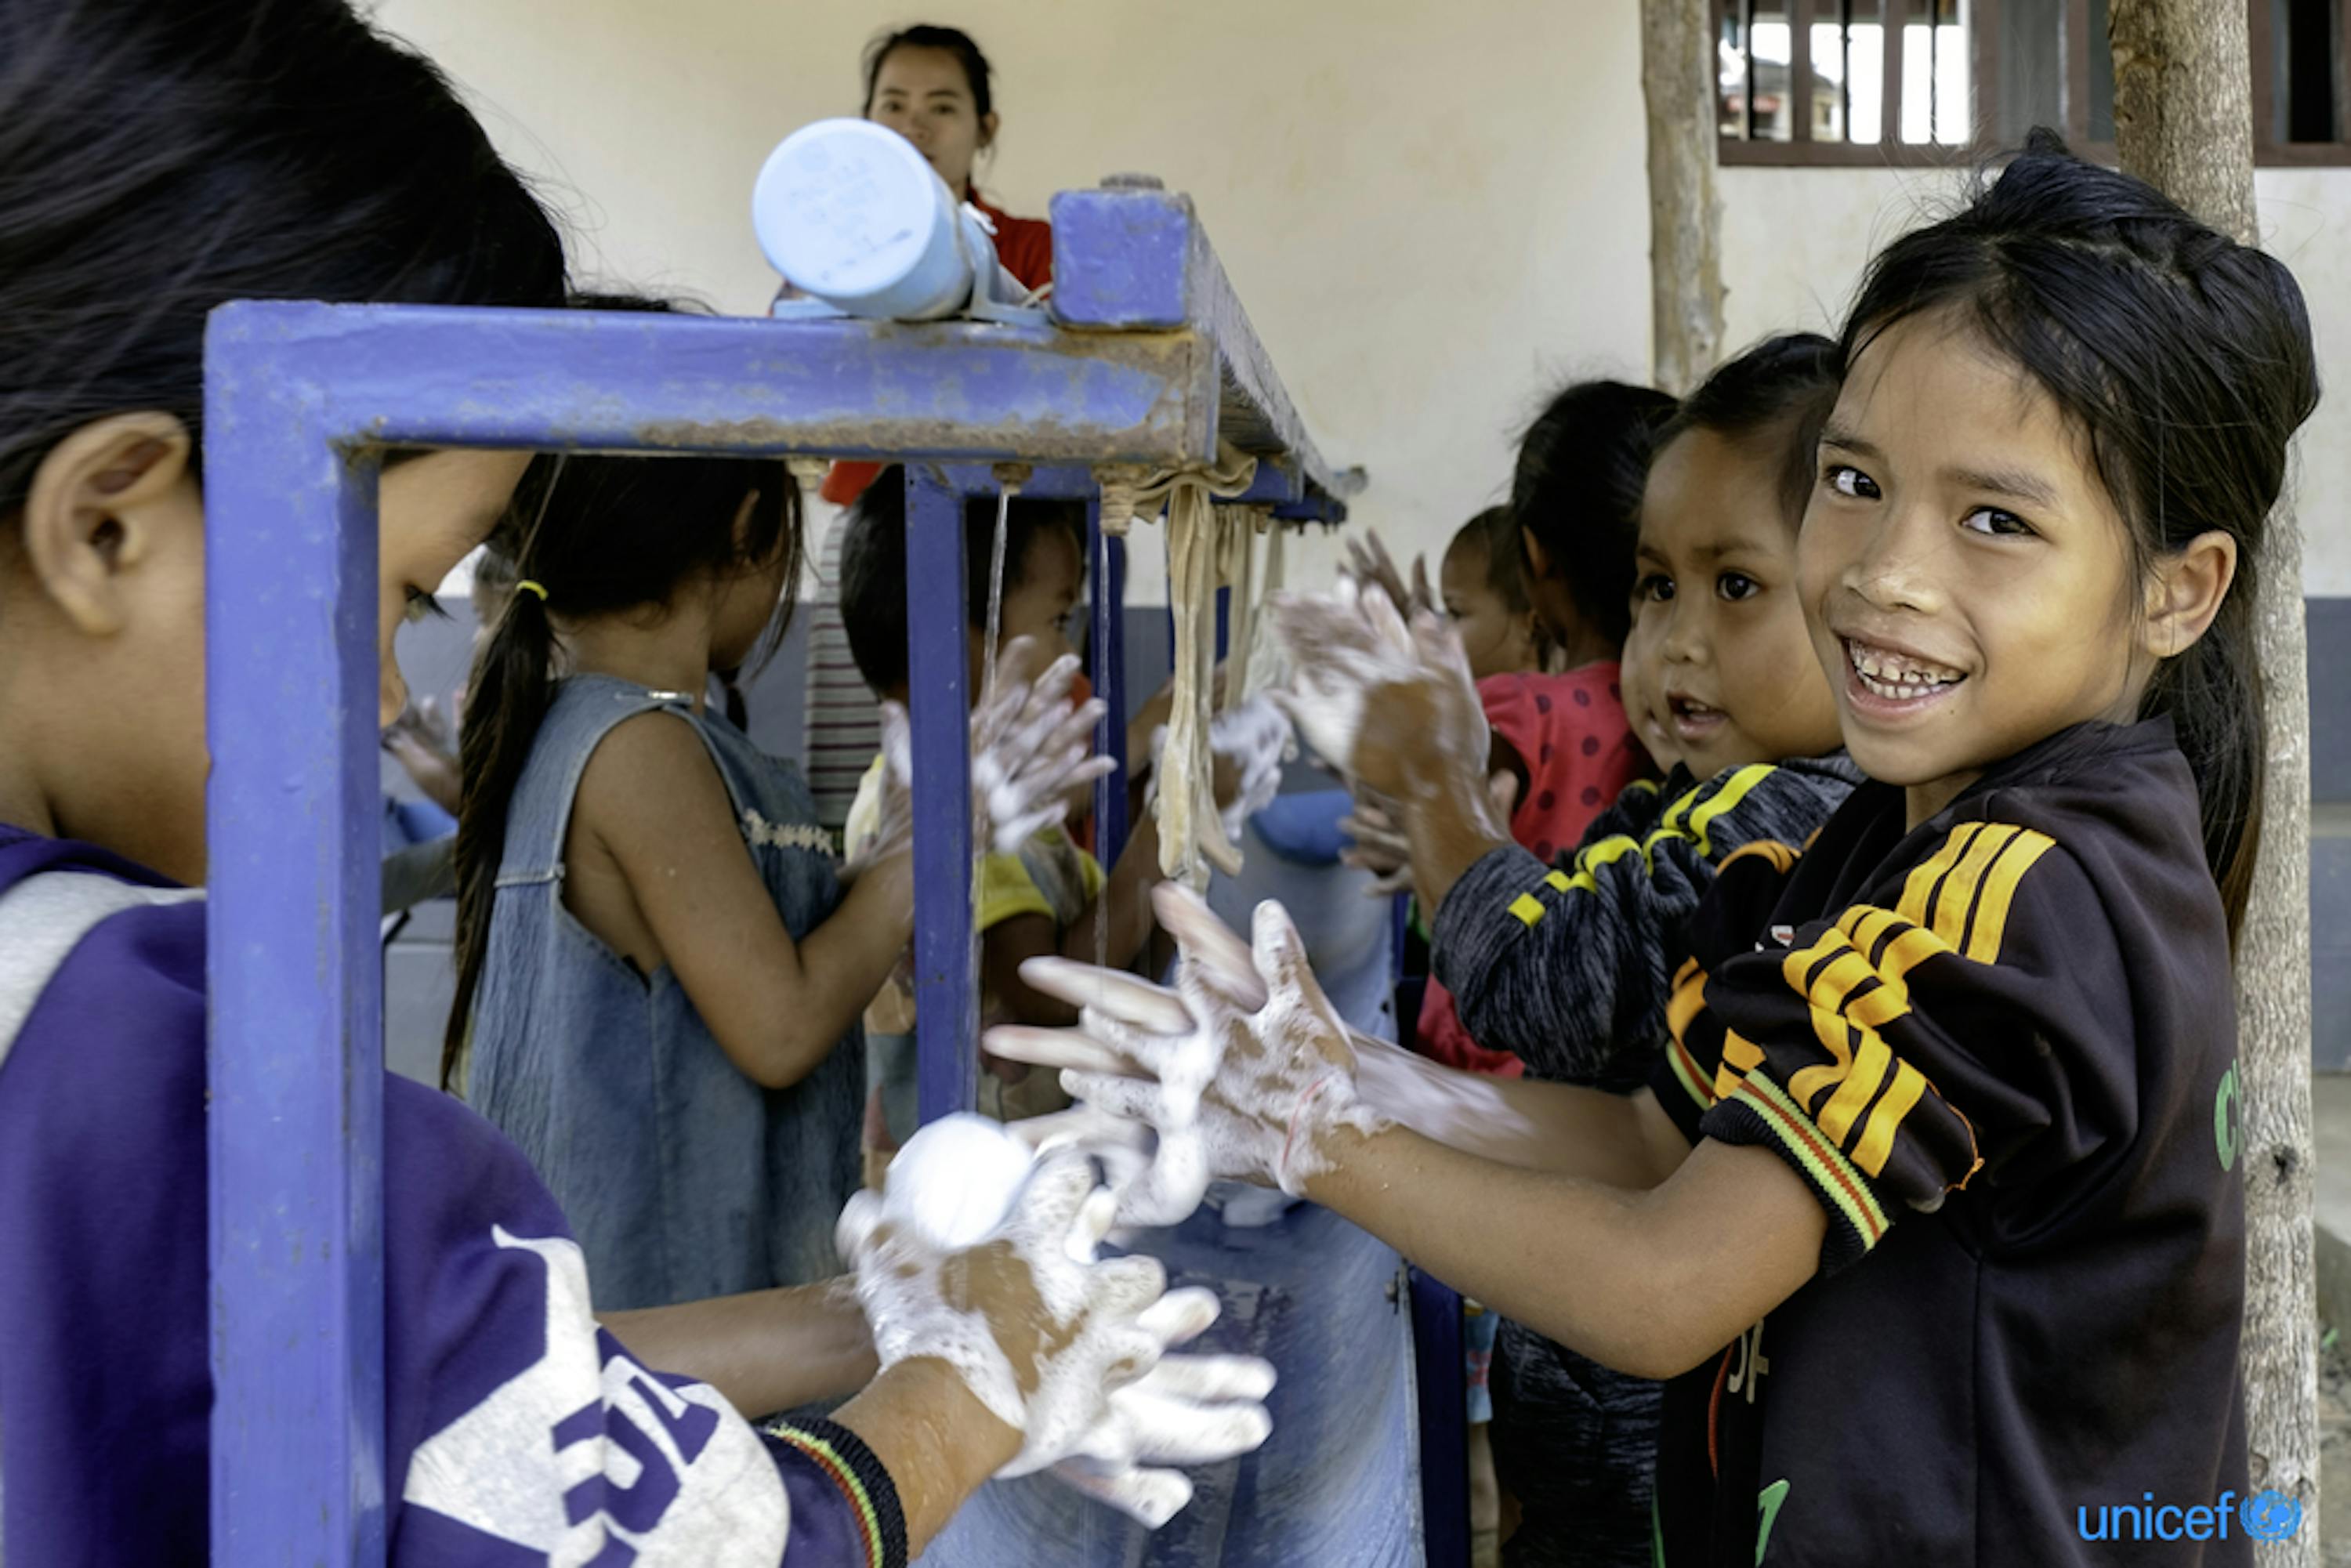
(1147, 358)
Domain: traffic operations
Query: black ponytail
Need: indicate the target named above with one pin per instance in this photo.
(2185, 360)
(591, 536)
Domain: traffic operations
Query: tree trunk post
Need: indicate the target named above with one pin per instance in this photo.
(1685, 221)
(2184, 123)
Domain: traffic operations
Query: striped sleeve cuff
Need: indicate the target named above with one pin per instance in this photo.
(841, 1457)
(1759, 1112)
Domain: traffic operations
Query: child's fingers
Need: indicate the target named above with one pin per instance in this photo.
(1122, 1289)
(1181, 1432)
(1058, 1048)
(1179, 1317)
(1186, 916)
(854, 1230)
(1081, 1127)
(1221, 1377)
(1056, 1190)
(1095, 1217)
(1111, 992)
(1137, 1099)
(1151, 1497)
(1279, 953)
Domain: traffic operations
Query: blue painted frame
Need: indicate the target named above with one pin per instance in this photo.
(1151, 362)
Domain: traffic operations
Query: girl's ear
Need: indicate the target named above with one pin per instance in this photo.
(987, 123)
(743, 523)
(2186, 592)
(100, 501)
(1537, 558)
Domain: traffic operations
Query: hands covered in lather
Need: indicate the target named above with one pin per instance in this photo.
(1243, 1070)
(1370, 565)
(1394, 708)
(1029, 758)
(1067, 1351)
(1390, 705)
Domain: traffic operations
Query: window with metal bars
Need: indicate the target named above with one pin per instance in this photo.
(1864, 82)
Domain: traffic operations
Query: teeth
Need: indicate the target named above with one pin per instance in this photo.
(1896, 675)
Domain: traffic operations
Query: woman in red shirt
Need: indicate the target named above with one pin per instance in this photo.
(930, 85)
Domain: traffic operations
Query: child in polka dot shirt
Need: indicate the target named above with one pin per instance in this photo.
(1566, 740)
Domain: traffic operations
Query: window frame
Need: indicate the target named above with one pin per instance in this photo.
(1982, 19)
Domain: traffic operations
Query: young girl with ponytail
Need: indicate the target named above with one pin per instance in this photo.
(659, 971)
(1934, 1208)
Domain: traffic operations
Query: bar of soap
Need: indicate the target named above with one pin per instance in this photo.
(955, 1181)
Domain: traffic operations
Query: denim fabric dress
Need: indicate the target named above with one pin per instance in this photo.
(682, 1177)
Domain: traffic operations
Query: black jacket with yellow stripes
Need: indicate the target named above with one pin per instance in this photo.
(2000, 1048)
(1569, 966)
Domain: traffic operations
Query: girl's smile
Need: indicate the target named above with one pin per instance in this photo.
(1970, 585)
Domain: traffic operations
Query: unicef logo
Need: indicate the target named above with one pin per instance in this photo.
(2270, 1515)
(2262, 1516)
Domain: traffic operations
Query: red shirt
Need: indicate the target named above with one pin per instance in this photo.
(1579, 754)
(1025, 246)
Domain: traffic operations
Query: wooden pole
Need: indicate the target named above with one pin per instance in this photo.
(1685, 222)
(2184, 122)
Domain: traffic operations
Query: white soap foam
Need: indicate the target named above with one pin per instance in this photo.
(955, 1180)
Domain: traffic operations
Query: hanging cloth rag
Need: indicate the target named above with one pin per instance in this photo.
(1191, 837)
(1262, 662)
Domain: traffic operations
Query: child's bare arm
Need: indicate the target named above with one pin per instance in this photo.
(1126, 894)
(1647, 1282)
(765, 1350)
(653, 800)
(1625, 1140)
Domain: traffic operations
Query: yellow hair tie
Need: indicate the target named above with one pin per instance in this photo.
(527, 586)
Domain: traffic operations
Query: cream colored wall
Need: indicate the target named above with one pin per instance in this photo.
(1433, 209)
(1429, 210)
(1794, 241)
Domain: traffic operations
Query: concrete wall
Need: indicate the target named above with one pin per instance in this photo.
(1429, 210)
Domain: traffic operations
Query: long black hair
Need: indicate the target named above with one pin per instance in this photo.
(593, 536)
(158, 159)
(1577, 488)
(2185, 360)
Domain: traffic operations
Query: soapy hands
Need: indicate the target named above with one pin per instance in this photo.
(1243, 1070)
(1028, 759)
(1369, 563)
(1377, 843)
(1068, 1351)
(1393, 707)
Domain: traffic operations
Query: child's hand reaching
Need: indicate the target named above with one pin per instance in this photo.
(1377, 845)
(1243, 1071)
(1028, 749)
(1066, 1351)
(1393, 705)
(1369, 563)
(1028, 745)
